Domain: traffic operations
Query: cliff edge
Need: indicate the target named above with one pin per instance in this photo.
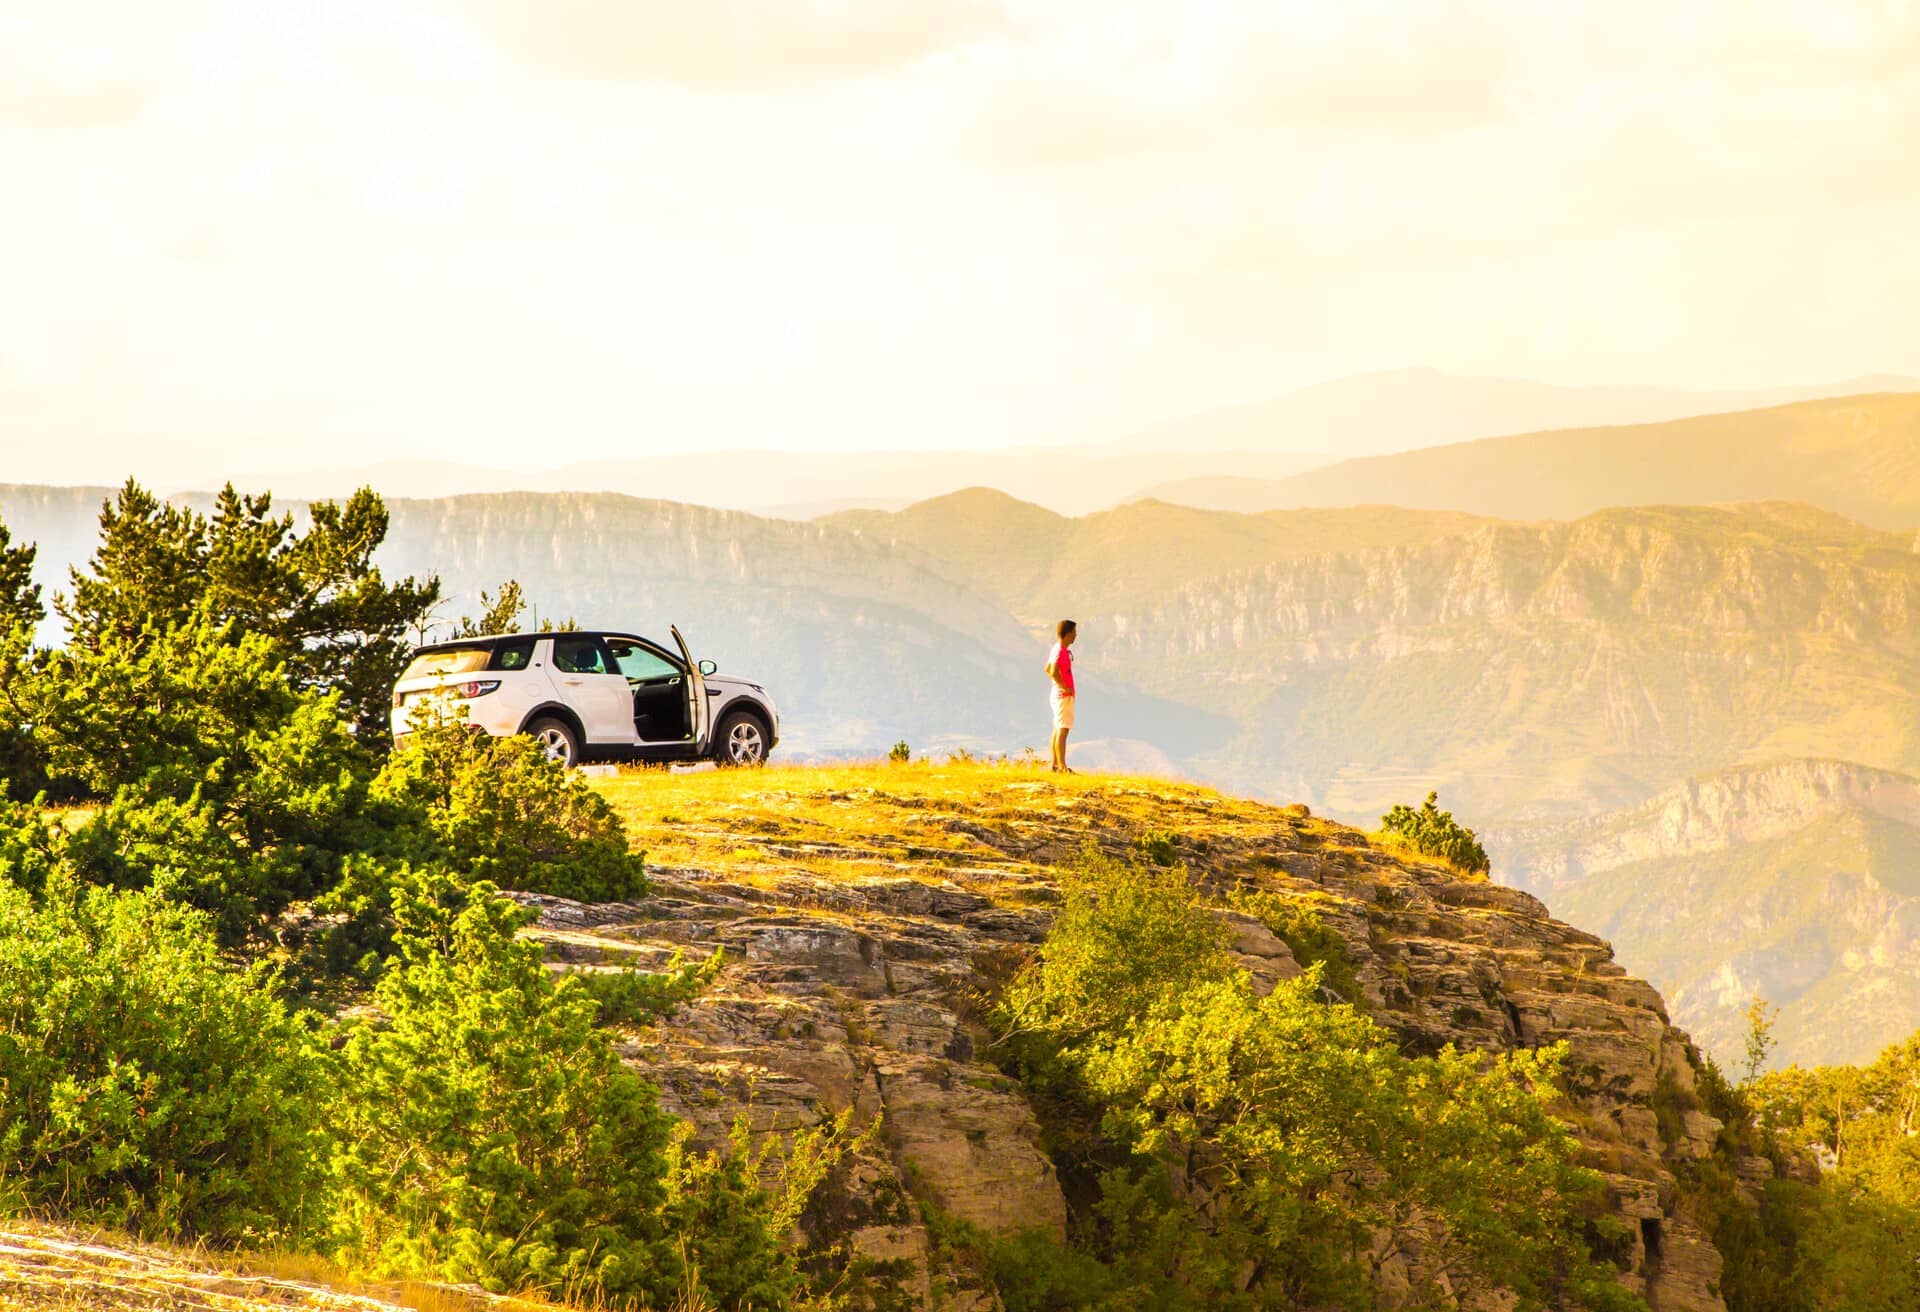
(868, 913)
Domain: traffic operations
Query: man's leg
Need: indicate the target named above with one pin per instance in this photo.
(1058, 746)
(1063, 748)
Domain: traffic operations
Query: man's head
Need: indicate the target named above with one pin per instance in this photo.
(1067, 630)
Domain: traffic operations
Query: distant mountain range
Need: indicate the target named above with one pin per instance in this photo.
(1555, 680)
(1796, 880)
(791, 485)
(1219, 459)
(1858, 455)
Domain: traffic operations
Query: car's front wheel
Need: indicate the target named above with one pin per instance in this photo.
(740, 739)
(556, 739)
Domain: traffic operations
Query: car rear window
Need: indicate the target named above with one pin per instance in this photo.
(448, 660)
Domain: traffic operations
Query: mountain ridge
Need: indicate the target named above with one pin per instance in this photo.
(1394, 410)
(1856, 455)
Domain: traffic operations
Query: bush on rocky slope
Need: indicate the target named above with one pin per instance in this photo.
(145, 1083)
(1278, 1151)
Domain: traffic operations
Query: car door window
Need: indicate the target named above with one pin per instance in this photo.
(512, 654)
(580, 656)
(639, 663)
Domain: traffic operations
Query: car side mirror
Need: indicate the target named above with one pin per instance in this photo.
(708, 667)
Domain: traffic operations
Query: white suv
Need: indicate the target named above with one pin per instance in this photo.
(591, 696)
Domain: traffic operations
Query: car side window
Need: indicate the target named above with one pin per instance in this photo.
(514, 654)
(638, 662)
(579, 656)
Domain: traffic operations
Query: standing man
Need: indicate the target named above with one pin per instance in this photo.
(1060, 670)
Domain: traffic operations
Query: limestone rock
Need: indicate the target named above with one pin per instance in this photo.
(866, 993)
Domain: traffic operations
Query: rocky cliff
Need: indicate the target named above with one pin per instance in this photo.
(1543, 670)
(866, 915)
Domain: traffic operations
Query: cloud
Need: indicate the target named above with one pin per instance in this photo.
(729, 44)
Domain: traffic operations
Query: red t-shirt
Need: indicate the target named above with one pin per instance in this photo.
(1062, 660)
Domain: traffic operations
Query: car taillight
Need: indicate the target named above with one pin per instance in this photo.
(476, 687)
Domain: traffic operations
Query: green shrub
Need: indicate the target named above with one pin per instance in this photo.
(1437, 834)
(144, 1083)
(1295, 922)
(732, 1209)
(640, 997)
(1159, 848)
(499, 810)
(255, 816)
(1255, 1149)
(901, 753)
(1126, 934)
(490, 1133)
(32, 846)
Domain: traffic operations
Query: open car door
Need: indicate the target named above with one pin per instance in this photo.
(698, 727)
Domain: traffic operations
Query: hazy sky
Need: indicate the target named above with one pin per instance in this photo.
(327, 232)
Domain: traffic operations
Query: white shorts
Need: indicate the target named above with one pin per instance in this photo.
(1062, 710)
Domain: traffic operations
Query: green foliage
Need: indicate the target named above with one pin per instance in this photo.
(1761, 1016)
(20, 604)
(1296, 922)
(314, 597)
(230, 791)
(731, 1210)
(1258, 1147)
(641, 997)
(499, 613)
(1436, 833)
(491, 1133)
(900, 753)
(32, 846)
(1126, 933)
(1845, 1242)
(1158, 848)
(1028, 1270)
(498, 809)
(146, 1084)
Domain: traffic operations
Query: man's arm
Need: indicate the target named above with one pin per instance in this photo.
(1053, 672)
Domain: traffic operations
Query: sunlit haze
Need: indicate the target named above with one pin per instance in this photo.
(264, 236)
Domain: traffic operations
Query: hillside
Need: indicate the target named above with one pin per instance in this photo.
(1857, 455)
(862, 910)
(1539, 670)
(1797, 880)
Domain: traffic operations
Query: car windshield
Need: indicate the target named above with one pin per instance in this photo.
(448, 660)
(637, 662)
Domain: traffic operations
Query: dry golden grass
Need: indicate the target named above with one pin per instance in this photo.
(51, 1268)
(720, 819)
(920, 820)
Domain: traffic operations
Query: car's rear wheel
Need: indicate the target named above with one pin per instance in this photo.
(556, 739)
(740, 739)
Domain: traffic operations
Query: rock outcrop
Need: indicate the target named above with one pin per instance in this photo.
(863, 990)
